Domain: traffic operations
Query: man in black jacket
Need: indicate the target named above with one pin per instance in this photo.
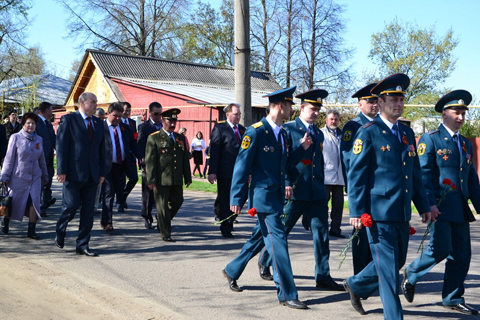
(224, 145)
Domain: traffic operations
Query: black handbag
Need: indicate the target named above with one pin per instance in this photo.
(5, 202)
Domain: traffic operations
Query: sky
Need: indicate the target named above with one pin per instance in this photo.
(363, 18)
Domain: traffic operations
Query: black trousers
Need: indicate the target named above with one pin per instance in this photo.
(222, 204)
(336, 193)
(114, 183)
(132, 175)
(147, 199)
(46, 192)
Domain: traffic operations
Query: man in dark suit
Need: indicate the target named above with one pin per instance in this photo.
(132, 172)
(368, 104)
(445, 154)
(144, 130)
(81, 168)
(383, 178)
(12, 126)
(168, 167)
(306, 183)
(263, 156)
(45, 130)
(3, 143)
(225, 142)
(119, 144)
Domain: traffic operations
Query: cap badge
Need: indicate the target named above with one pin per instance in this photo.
(399, 88)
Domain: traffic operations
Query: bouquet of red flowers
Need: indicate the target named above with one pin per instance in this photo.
(252, 212)
(367, 222)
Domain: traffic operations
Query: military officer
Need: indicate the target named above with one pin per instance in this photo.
(383, 178)
(263, 155)
(167, 168)
(368, 104)
(445, 154)
(306, 183)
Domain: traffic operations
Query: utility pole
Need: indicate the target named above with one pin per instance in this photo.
(243, 90)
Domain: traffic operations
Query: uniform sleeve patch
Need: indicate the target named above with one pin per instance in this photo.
(246, 142)
(357, 146)
(421, 149)
(347, 135)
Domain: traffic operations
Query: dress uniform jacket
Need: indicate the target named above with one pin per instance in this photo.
(440, 159)
(167, 162)
(360, 249)
(265, 159)
(384, 177)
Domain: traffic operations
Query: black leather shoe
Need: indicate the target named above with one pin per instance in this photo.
(51, 202)
(227, 234)
(33, 236)
(295, 304)
(407, 288)
(120, 208)
(329, 285)
(354, 299)
(125, 205)
(232, 284)
(336, 234)
(148, 225)
(264, 272)
(305, 223)
(463, 308)
(59, 242)
(87, 252)
(167, 239)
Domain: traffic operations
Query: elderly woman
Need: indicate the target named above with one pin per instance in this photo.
(23, 172)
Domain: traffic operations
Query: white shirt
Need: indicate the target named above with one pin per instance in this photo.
(276, 130)
(114, 148)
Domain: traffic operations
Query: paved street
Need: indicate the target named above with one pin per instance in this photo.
(139, 276)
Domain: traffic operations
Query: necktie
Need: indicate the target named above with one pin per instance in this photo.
(237, 135)
(156, 126)
(395, 132)
(90, 129)
(457, 141)
(312, 133)
(118, 148)
(171, 137)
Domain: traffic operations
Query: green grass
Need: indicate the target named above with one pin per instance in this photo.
(204, 186)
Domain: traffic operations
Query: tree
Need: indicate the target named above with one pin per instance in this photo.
(138, 27)
(420, 53)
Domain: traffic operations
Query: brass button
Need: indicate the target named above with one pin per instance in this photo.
(406, 191)
(406, 177)
(461, 169)
(461, 181)
(404, 164)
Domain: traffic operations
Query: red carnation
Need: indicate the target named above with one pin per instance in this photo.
(412, 231)
(307, 162)
(252, 212)
(447, 182)
(454, 187)
(366, 220)
(135, 136)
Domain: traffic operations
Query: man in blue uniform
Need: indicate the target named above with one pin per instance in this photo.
(445, 154)
(306, 185)
(368, 104)
(383, 178)
(263, 156)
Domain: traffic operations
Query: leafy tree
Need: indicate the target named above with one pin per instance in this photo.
(422, 54)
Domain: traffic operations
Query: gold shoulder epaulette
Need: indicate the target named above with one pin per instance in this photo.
(156, 132)
(221, 121)
(369, 124)
(257, 125)
(434, 131)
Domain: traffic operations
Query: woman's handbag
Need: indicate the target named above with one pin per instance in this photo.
(5, 201)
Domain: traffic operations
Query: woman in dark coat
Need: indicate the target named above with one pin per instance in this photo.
(23, 172)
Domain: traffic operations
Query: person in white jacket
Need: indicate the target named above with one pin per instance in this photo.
(334, 181)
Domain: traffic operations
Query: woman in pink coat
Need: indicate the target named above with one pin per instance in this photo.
(23, 172)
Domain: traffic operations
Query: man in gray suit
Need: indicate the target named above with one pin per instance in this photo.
(45, 130)
(80, 167)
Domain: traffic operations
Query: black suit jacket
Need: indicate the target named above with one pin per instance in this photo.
(224, 150)
(144, 130)
(132, 124)
(129, 145)
(48, 135)
(3, 142)
(77, 157)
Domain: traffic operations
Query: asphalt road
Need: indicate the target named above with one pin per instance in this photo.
(139, 276)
